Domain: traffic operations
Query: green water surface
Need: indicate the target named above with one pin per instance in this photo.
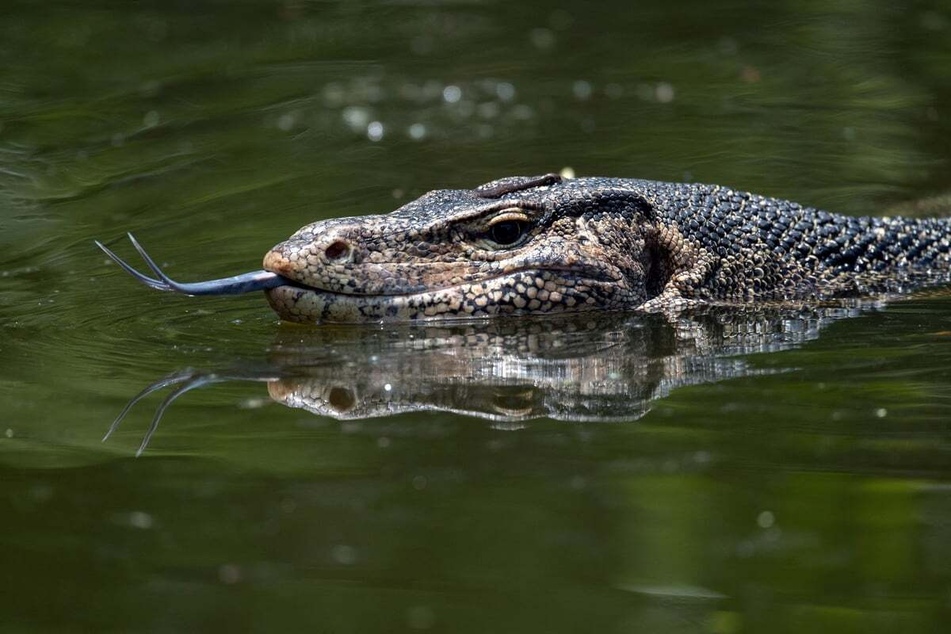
(739, 472)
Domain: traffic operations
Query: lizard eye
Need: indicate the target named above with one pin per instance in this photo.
(508, 229)
(507, 232)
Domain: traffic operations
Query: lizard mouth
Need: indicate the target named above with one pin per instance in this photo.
(407, 287)
(521, 291)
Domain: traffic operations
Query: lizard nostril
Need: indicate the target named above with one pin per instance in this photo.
(341, 399)
(338, 251)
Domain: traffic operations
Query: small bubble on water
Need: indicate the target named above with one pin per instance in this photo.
(505, 91)
(664, 92)
(344, 554)
(452, 94)
(765, 519)
(881, 412)
(382, 442)
(417, 131)
(140, 519)
(582, 90)
(356, 117)
(375, 131)
(9, 433)
(151, 119)
(351, 427)
(286, 121)
(542, 39)
(254, 403)
(568, 173)
(419, 482)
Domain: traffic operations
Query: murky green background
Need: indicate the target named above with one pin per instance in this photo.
(779, 483)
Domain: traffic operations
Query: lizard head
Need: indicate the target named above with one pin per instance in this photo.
(521, 245)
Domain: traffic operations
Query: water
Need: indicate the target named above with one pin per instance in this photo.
(731, 472)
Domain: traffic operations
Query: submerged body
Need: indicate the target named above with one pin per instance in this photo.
(532, 245)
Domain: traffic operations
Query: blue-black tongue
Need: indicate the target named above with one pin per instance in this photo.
(234, 285)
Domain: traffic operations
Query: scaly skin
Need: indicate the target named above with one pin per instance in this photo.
(594, 244)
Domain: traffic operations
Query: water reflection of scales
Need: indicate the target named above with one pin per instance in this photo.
(607, 368)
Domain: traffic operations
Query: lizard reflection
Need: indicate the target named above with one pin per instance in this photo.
(608, 368)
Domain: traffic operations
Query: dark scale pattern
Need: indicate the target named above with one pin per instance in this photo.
(594, 244)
